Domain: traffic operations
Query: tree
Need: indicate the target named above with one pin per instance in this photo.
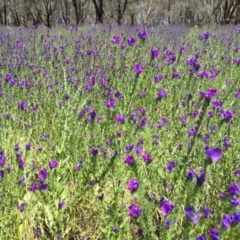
(98, 5)
(81, 10)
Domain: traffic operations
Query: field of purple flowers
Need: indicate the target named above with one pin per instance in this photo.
(120, 133)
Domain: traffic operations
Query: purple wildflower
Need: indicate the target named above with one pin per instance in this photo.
(2, 159)
(134, 211)
(116, 40)
(226, 221)
(139, 232)
(161, 94)
(213, 153)
(115, 229)
(129, 159)
(158, 78)
(129, 147)
(234, 188)
(42, 175)
(138, 68)
(235, 201)
(53, 164)
(61, 205)
(167, 224)
(21, 207)
(206, 212)
(190, 175)
(170, 166)
(1, 175)
(33, 187)
(131, 41)
(147, 158)
(214, 234)
(166, 207)
(142, 35)
(139, 150)
(111, 103)
(133, 185)
(154, 53)
(235, 217)
(120, 118)
(192, 215)
(202, 237)
(28, 146)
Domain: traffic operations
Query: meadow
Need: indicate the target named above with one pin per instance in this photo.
(111, 132)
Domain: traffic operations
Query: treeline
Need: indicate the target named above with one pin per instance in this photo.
(132, 12)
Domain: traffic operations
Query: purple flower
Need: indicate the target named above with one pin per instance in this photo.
(192, 131)
(192, 215)
(167, 224)
(131, 41)
(166, 207)
(129, 147)
(116, 40)
(237, 95)
(211, 93)
(181, 50)
(140, 232)
(129, 159)
(61, 205)
(206, 212)
(237, 173)
(235, 201)
(139, 150)
(161, 94)
(147, 158)
(154, 53)
(214, 234)
(28, 146)
(21, 164)
(100, 197)
(138, 68)
(17, 147)
(43, 187)
(213, 128)
(213, 153)
(226, 144)
(115, 229)
(21, 207)
(203, 74)
(236, 218)
(142, 35)
(9, 169)
(39, 232)
(110, 103)
(203, 237)
(228, 115)
(201, 177)
(21, 181)
(226, 221)
(2, 159)
(42, 175)
(133, 185)
(78, 167)
(53, 164)
(190, 175)
(234, 188)
(158, 78)
(170, 166)
(134, 211)
(1, 175)
(120, 118)
(33, 187)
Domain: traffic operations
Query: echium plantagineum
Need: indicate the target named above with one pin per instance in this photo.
(2, 159)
